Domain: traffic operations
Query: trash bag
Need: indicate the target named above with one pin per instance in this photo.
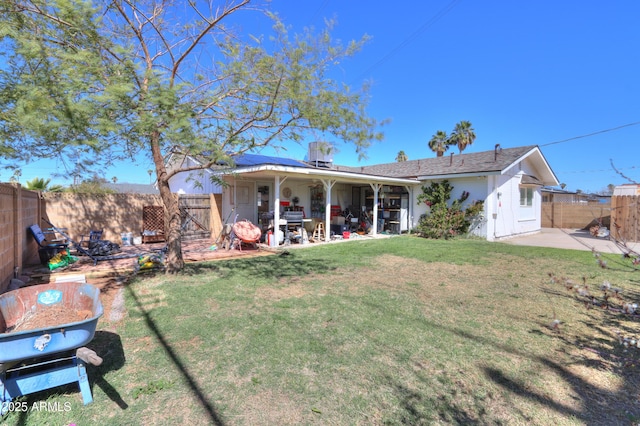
(103, 248)
(150, 261)
(61, 259)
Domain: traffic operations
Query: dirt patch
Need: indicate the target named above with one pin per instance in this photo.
(274, 294)
(283, 409)
(117, 309)
(192, 344)
(428, 280)
(112, 297)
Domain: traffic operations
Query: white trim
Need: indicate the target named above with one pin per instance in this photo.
(351, 177)
(459, 175)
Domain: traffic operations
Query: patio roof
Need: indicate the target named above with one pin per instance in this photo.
(309, 172)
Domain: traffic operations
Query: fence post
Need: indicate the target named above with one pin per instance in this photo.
(633, 217)
(215, 216)
(18, 222)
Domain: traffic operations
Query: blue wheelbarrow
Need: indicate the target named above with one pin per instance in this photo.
(43, 330)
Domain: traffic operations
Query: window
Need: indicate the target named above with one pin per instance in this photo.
(526, 197)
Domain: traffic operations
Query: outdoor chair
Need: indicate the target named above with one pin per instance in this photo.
(46, 249)
(102, 249)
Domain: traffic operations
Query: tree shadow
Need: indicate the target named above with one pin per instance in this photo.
(282, 265)
(109, 347)
(212, 413)
(599, 406)
(423, 408)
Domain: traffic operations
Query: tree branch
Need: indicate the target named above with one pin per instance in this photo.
(622, 174)
(204, 32)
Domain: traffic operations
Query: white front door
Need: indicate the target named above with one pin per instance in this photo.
(246, 201)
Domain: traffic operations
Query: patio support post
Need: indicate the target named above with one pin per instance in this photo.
(328, 185)
(376, 189)
(409, 209)
(276, 210)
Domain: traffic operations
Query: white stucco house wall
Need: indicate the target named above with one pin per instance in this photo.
(193, 182)
(508, 181)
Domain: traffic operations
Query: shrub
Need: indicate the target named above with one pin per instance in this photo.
(442, 220)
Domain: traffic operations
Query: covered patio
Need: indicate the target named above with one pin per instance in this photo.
(291, 192)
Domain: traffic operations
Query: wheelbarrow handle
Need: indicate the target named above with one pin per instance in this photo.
(89, 356)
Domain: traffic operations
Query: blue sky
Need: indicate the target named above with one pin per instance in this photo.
(524, 73)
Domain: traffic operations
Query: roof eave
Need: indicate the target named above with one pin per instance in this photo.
(327, 174)
(550, 178)
(458, 175)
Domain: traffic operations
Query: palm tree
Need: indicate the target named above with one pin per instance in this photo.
(401, 156)
(55, 188)
(38, 184)
(439, 143)
(463, 135)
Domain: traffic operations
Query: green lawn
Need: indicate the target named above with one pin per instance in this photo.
(394, 331)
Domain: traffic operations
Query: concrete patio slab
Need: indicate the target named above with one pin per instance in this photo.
(574, 239)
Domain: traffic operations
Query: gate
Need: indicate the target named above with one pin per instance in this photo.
(625, 217)
(195, 211)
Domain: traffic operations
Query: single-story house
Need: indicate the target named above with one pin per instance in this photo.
(508, 181)
(555, 195)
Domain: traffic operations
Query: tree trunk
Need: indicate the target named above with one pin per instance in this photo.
(174, 260)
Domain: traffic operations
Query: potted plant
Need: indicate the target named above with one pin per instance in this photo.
(295, 200)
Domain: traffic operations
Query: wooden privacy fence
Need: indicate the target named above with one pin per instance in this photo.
(575, 215)
(195, 211)
(115, 214)
(625, 217)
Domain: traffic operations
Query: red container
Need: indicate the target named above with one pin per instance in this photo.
(346, 235)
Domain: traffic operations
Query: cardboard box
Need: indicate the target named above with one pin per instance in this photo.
(337, 220)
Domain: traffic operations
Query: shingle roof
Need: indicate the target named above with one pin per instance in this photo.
(477, 162)
(133, 188)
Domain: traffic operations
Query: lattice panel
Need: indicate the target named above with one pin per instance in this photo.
(153, 220)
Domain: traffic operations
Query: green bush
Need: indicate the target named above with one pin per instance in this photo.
(443, 220)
